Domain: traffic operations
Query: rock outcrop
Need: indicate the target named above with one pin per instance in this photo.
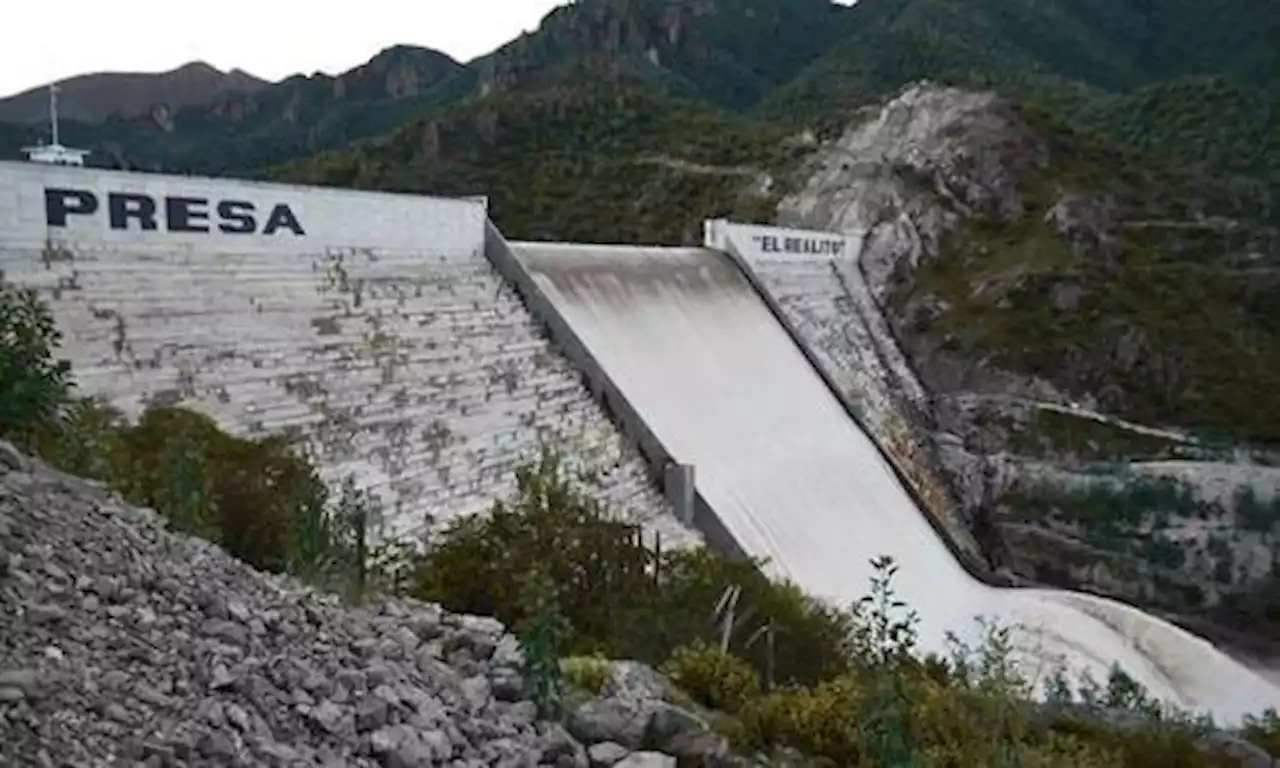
(1022, 447)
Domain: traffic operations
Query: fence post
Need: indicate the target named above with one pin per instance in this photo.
(362, 552)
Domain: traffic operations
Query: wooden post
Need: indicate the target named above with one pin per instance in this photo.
(769, 660)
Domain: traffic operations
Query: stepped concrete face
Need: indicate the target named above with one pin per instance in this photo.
(370, 325)
(702, 358)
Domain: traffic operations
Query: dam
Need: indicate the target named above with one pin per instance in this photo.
(402, 340)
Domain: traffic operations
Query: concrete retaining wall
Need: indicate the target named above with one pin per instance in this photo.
(371, 325)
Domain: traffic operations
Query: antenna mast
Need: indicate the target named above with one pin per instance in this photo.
(53, 111)
(54, 152)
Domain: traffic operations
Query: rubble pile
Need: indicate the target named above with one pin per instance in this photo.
(123, 643)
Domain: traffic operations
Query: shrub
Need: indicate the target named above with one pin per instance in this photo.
(712, 676)
(1264, 730)
(602, 576)
(248, 495)
(822, 721)
(587, 673)
(619, 596)
(34, 387)
(542, 634)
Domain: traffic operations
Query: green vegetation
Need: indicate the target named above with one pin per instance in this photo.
(1187, 546)
(33, 385)
(843, 686)
(1161, 322)
(582, 164)
(1055, 434)
(1083, 58)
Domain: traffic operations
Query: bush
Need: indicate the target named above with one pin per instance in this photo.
(712, 676)
(820, 722)
(620, 596)
(34, 387)
(1264, 731)
(587, 673)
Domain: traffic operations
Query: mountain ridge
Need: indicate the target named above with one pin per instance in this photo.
(97, 96)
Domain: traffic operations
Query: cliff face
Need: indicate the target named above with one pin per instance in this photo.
(1077, 333)
(730, 54)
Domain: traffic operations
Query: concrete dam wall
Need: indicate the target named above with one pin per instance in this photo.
(370, 325)
(403, 341)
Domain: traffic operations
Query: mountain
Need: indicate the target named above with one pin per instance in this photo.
(725, 53)
(235, 132)
(97, 97)
(1109, 45)
(807, 62)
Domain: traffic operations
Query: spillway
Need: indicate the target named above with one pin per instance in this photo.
(710, 370)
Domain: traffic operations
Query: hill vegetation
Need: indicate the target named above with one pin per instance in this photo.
(591, 164)
(1120, 68)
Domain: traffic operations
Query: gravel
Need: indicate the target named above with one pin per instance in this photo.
(124, 644)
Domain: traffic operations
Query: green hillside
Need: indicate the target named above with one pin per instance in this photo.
(592, 163)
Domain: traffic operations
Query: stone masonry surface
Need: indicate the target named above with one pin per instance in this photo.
(382, 338)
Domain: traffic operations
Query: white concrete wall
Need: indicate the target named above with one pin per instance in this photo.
(381, 335)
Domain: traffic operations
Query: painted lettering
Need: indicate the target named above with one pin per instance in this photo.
(59, 203)
(141, 212)
(237, 217)
(186, 214)
(816, 246)
(123, 207)
(281, 216)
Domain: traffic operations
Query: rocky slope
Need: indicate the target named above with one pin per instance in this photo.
(126, 644)
(1015, 283)
(729, 54)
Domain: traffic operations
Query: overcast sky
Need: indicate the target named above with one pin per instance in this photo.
(269, 38)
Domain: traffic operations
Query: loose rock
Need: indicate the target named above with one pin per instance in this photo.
(123, 640)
